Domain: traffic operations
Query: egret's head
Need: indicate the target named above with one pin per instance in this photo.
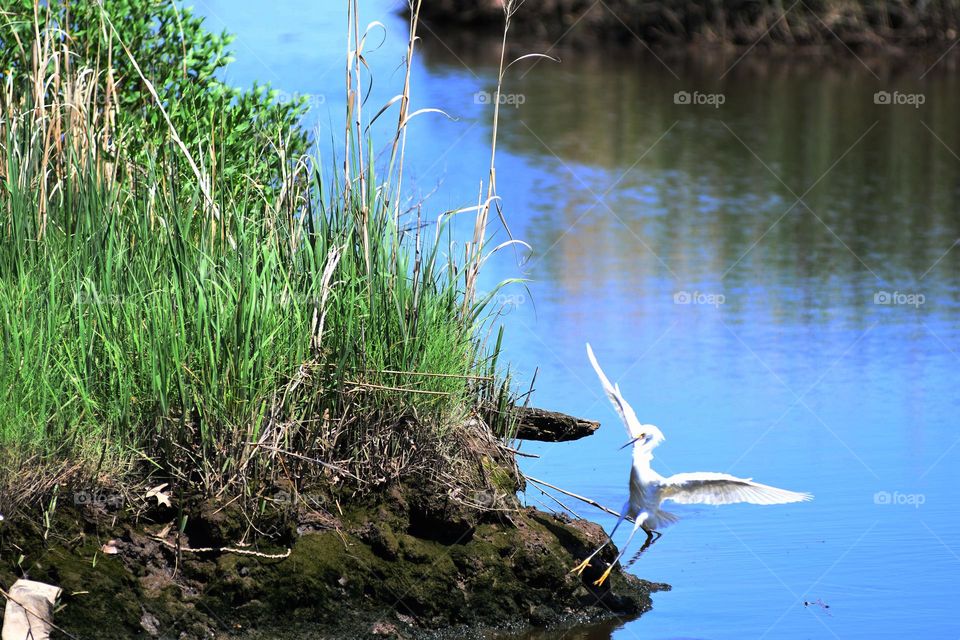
(650, 436)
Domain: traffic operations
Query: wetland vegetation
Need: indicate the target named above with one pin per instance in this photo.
(246, 386)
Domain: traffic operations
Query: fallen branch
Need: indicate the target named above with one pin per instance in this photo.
(551, 426)
(332, 467)
(406, 389)
(435, 375)
(592, 503)
(242, 552)
(557, 500)
(517, 452)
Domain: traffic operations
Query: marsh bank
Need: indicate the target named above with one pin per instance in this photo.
(406, 564)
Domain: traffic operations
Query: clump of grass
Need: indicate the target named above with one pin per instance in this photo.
(223, 333)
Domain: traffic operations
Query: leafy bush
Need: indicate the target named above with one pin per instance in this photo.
(180, 58)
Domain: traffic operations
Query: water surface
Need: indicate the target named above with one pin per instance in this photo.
(771, 280)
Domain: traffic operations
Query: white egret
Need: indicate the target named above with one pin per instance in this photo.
(648, 489)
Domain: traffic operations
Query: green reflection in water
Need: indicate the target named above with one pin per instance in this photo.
(799, 179)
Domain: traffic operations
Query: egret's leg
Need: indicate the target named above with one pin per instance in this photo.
(586, 563)
(636, 525)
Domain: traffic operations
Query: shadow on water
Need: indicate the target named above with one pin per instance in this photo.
(598, 631)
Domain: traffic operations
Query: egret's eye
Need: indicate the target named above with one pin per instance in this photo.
(643, 435)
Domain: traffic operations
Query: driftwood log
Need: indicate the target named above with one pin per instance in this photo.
(552, 426)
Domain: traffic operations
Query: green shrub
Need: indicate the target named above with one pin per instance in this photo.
(231, 131)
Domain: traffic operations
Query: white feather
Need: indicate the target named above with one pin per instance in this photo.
(634, 428)
(704, 487)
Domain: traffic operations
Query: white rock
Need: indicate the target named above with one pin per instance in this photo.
(29, 610)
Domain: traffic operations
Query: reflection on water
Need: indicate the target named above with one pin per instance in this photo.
(773, 283)
(598, 631)
(684, 176)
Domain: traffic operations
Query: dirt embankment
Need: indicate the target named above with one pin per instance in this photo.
(403, 566)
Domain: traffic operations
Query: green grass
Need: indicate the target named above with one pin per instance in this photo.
(213, 331)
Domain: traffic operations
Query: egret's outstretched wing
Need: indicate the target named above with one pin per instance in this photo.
(634, 429)
(721, 488)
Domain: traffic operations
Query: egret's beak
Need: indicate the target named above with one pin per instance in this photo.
(632, 441)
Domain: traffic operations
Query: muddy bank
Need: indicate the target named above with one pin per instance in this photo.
(806, 26)
(401, 566)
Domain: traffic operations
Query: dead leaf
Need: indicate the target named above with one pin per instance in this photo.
(163, 498)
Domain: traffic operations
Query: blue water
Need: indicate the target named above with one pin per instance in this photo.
(787, 366)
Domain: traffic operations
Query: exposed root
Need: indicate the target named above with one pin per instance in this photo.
(242, 552)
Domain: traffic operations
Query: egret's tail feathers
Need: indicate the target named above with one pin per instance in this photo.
(665, 519)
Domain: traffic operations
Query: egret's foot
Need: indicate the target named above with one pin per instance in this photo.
(580, 567)
(603, 578)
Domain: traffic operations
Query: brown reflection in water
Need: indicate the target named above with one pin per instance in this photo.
(598, 631)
